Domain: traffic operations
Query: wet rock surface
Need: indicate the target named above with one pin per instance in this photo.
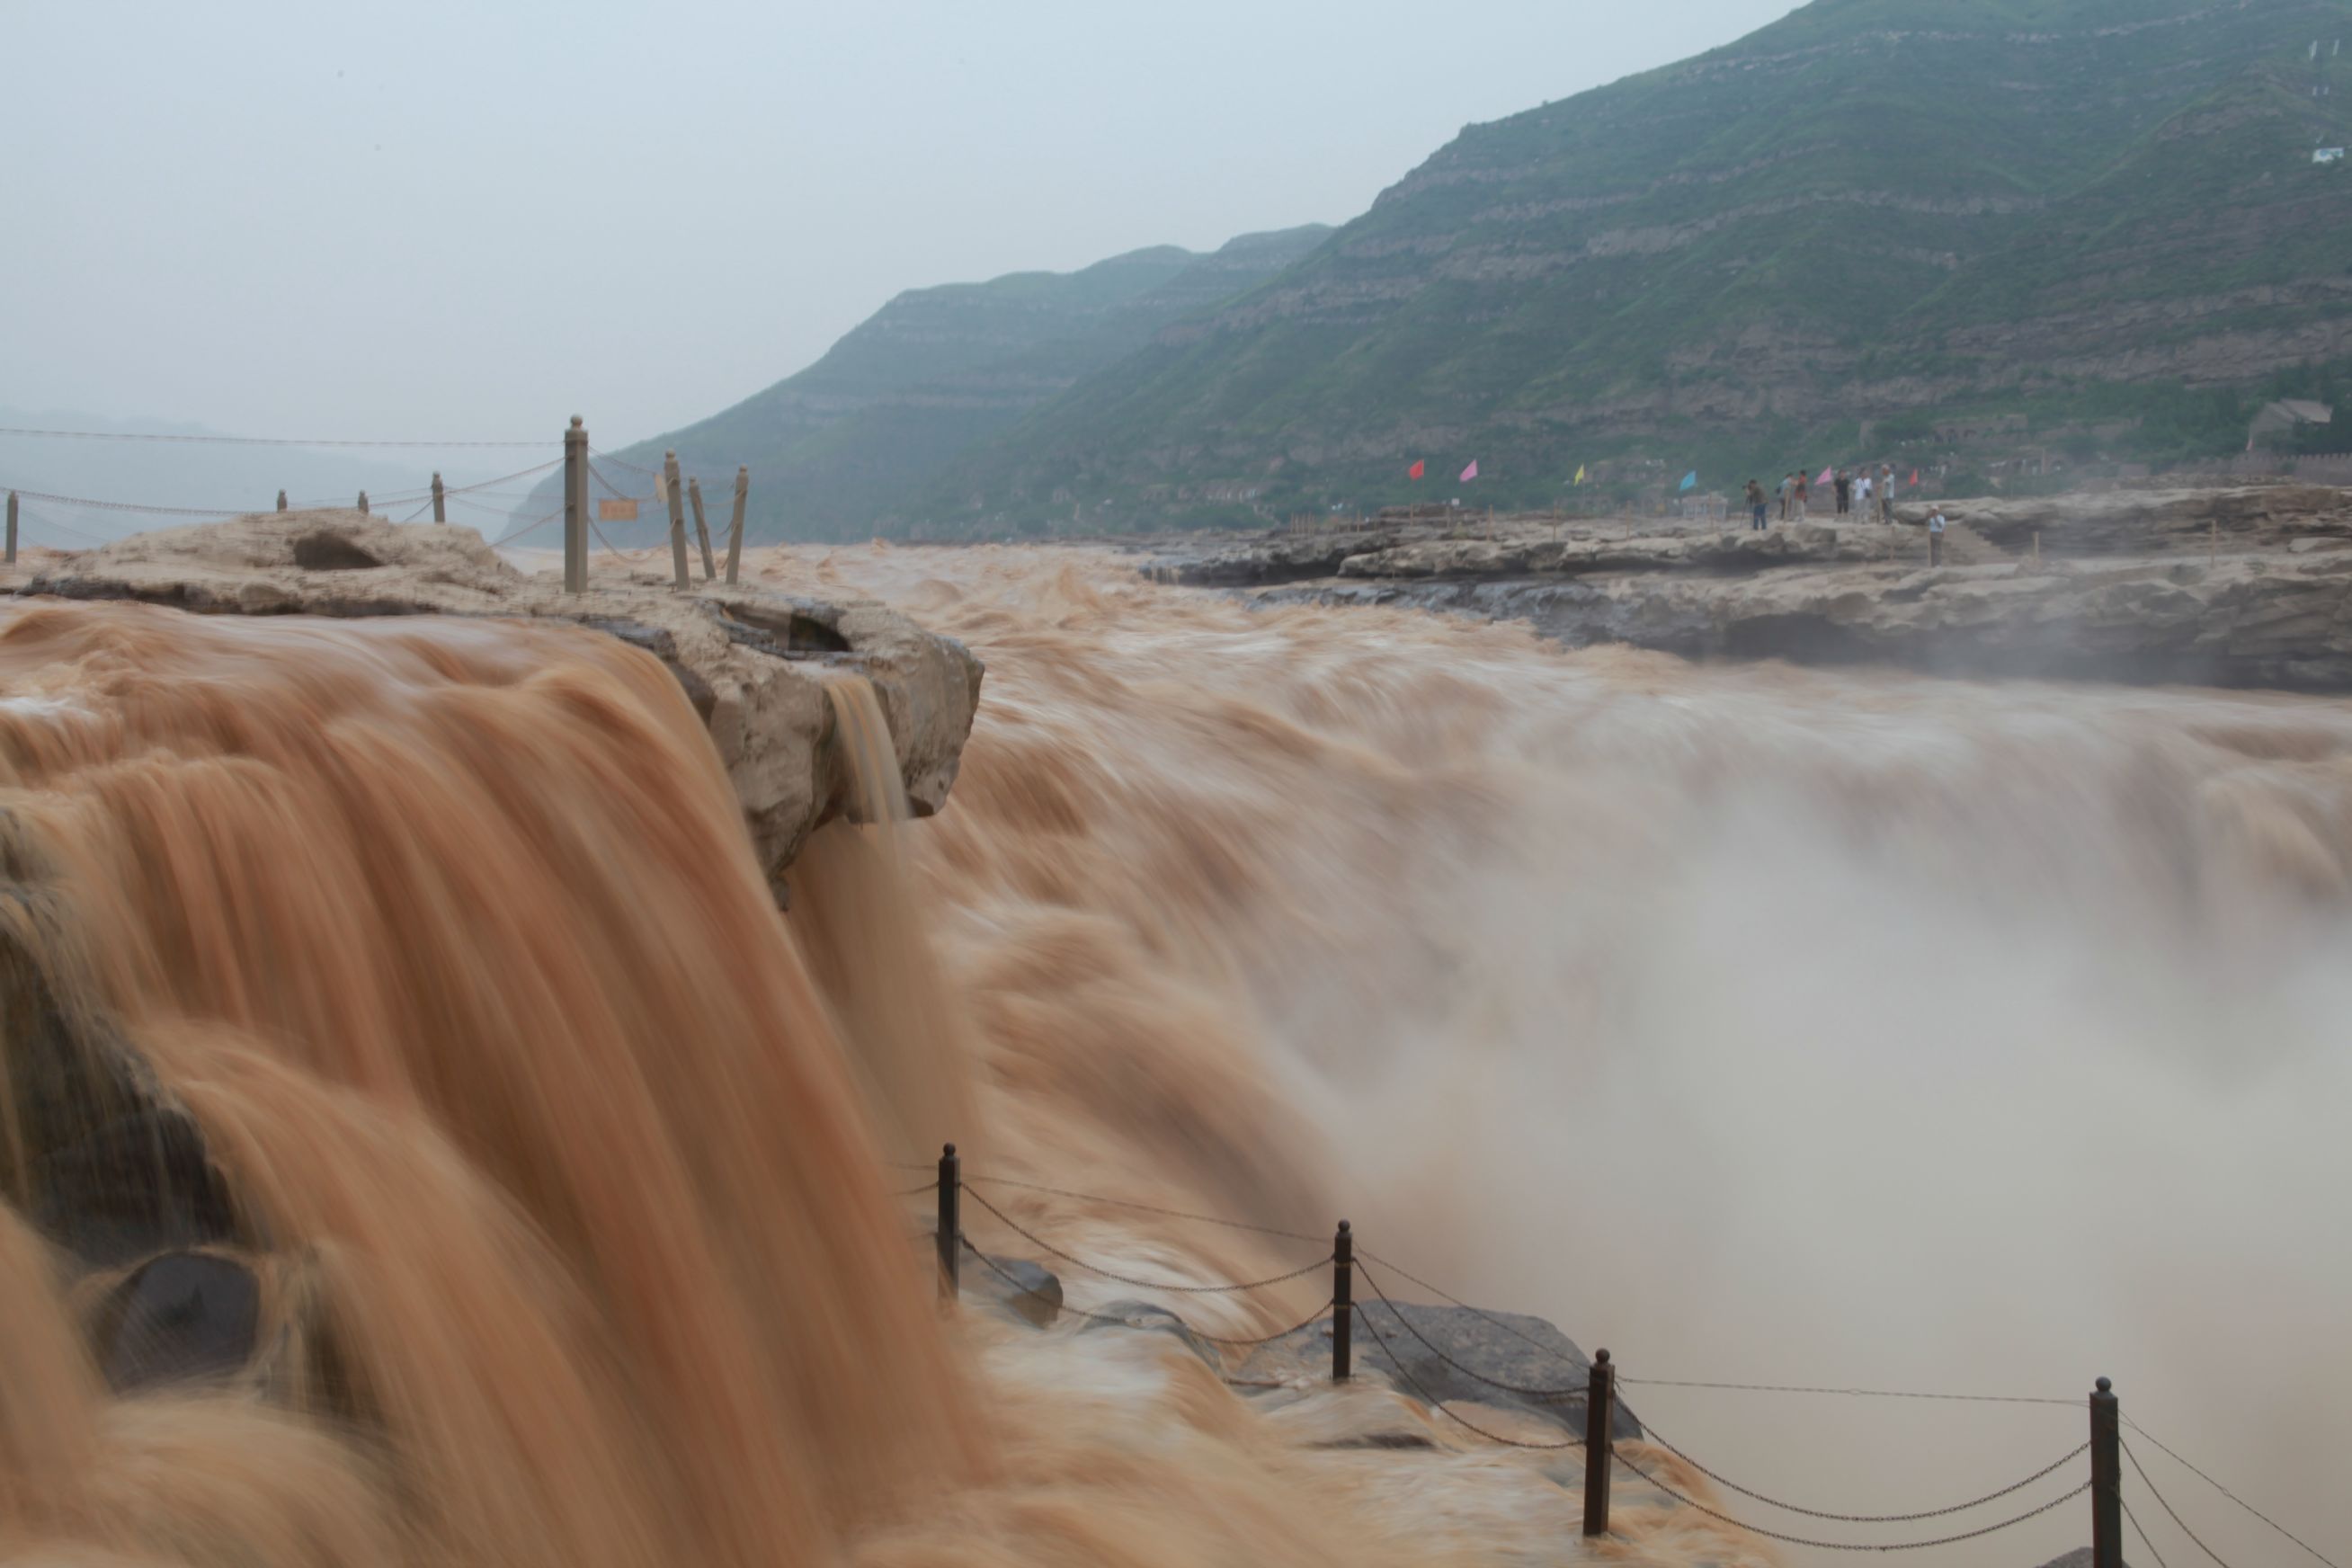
(751, 660)
(2246, 587)
(1455, 1355)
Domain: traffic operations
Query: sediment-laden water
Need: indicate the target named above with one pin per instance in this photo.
(1760, 1025)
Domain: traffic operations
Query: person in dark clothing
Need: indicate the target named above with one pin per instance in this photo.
(1845, 492)
(1759, 518)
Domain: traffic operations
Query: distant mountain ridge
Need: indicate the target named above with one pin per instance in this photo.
(843, 448)
(2089, 221)
(1889, 211)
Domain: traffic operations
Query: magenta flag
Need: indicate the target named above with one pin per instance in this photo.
(1827, 475)
(1471, 472)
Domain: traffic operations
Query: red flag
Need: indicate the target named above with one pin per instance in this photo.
(1915, 478)
(1416, 471)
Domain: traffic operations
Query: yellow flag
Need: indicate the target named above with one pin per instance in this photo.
(1579, 473)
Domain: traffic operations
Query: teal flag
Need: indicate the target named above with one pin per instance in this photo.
(1690, 481)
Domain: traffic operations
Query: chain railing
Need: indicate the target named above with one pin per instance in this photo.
(1652, 1459)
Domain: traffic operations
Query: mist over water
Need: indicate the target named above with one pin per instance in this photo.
(1762, 1025)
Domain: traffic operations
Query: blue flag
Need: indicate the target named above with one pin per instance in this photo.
(1690, 481)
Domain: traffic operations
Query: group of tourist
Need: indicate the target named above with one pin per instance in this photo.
(1852, 492)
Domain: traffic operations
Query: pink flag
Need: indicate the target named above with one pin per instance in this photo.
(1471, 472)
(1827, 475)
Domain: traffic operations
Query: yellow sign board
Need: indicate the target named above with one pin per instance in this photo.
(616, 512)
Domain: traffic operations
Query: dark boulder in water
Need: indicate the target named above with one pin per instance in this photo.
(178, 1316)
(1456, 1354)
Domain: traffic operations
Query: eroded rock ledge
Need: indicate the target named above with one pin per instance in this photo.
(751, 660)
(2246, 587)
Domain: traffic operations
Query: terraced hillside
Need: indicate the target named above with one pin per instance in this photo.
(841, 448)
(1886, 211)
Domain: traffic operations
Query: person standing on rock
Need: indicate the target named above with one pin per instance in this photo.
(1861, 492)
(1936, 537)
(1804, 488)
(1759, 518)
(1845, 492)
(1886, 494)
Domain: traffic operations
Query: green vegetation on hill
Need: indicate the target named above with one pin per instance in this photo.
(1883, 211)
(841, 449)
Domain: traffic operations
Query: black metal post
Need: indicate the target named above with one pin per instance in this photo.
(951, 1232)
(1343, 1302)
(440, 501)
(1600, 1415)
(575, 507)
(2106, 1479)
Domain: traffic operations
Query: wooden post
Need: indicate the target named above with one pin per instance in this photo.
(2213, 537)
(1343, 1302)
(12, 528)
(363, 507)
(1600, 1415)
(701, 529)
(2106, 1479)
(951, 1230)
(575, 507)
(677, 519)
(281, 501)
(440, 501)
(735, 529)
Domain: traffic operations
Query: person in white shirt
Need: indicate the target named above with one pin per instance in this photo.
(1863, 492)
(1936, 537)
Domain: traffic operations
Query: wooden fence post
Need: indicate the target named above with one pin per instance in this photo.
(364, 506)
(950, 1231)
(12, 528)
(575, 507)
(281, 501)
(1343, 1302)
(701, 529)
(677, 520)
(1600, 1415)
(735, 529)
(440, 501)
(2106, 1479)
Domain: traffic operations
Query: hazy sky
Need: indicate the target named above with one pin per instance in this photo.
(453, 219)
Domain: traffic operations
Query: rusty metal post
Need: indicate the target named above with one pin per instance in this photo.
(12, 528)
(440, 501)
(1600, 1415)
(701, 529)
(677, 519)
(735, 529)
(1343, 1302)
(950, 1231)
(281, 501)
(364, 506)
(575, 507)
(2106, 1479)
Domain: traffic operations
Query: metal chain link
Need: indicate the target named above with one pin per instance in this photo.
(2167, 1507)
(1653, 1437)
(991, 1264)
(1146, 1208)
(1383, 1296)
(1843, 1545)
(1036, 1240)
(2226, 1492)
(1849, 1392)
(1440, 1406)
(2144, 1540)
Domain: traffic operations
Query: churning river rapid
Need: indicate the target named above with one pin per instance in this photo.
(1765, 1026)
